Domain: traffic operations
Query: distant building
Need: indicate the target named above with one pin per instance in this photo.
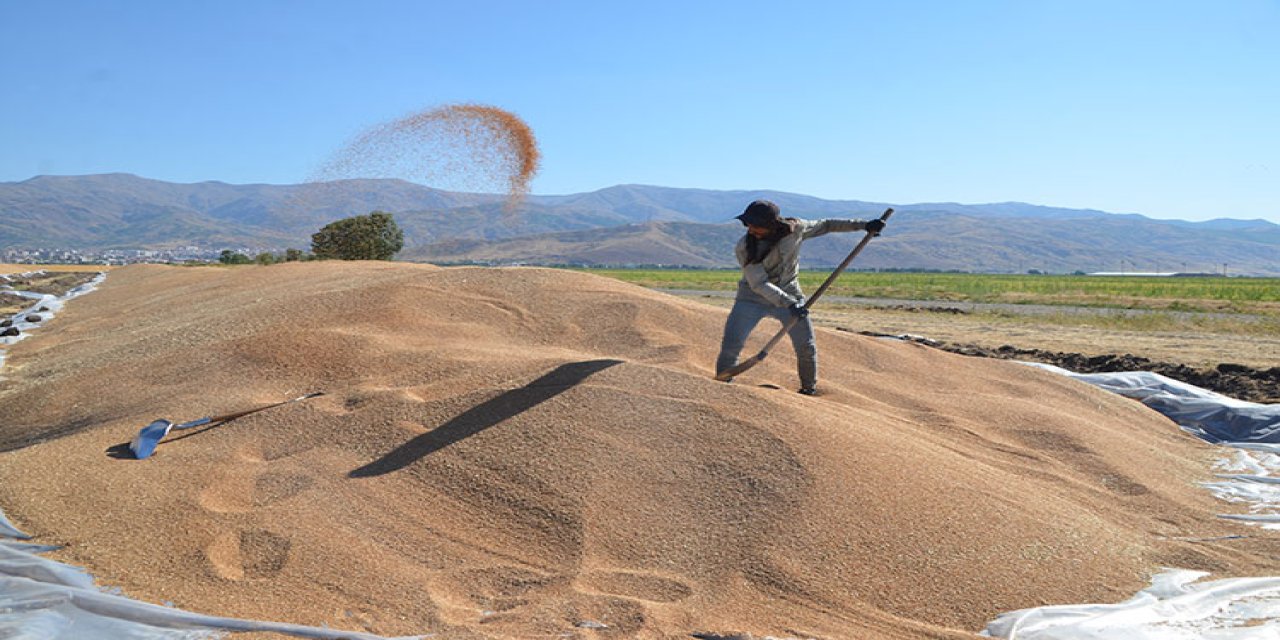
(1140, 274)
(1154, 274)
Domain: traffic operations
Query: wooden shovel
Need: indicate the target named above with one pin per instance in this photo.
(144, 444)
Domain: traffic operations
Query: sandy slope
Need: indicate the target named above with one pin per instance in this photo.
(512, 452)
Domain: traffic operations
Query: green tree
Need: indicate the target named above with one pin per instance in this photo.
(293, 255)
(266, 258)
(375, 236)
(233, 257)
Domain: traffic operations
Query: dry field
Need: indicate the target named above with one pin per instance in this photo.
(1198, 322)
(1185, 346)
(1176, 346)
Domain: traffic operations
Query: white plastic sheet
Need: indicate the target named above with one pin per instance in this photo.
(1211, 416)
(1174, 607)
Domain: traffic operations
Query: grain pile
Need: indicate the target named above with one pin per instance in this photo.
(517, 453)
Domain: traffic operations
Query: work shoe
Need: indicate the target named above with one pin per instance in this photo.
(808, 391)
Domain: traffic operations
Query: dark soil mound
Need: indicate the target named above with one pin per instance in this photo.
(1234, 380)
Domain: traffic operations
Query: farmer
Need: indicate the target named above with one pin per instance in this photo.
(770, 257)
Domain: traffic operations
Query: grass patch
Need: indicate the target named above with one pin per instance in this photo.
(1204, 294)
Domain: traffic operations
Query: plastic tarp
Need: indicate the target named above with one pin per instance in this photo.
(1174, 607)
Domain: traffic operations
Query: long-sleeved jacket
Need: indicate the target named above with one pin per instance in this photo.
(773, 280)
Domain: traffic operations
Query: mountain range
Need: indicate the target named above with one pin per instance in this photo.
(620, 225)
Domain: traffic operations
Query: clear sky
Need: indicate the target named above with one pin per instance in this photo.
(1167, 108)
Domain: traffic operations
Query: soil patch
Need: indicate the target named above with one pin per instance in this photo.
(1238, 381)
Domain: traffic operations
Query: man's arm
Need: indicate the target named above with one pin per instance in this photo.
(813, 229)
(758, 279)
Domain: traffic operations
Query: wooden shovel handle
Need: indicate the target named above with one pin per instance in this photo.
(241, 414)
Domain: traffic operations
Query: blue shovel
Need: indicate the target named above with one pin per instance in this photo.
(144, 444)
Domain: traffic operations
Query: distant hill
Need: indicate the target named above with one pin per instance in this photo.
(922, 240)
(625, 224)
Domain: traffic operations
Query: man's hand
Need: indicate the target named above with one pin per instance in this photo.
(798, 310)
(875, 226)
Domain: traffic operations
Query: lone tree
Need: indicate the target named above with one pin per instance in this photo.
(370, 237)
(233, 257)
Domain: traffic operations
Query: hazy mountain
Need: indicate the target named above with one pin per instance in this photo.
(667, 243)
(118, 210)
(625, 224)
(924, 240)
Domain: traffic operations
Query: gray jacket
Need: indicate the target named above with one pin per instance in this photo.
(773, 280)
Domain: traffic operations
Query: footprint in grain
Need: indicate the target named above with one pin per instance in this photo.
(230, 491)
(244, 484)
(640, 586)
(250, 554)
(273, 486)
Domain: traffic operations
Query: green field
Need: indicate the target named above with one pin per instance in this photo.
(1211, 294)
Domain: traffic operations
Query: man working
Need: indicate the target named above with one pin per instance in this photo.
(769, 254)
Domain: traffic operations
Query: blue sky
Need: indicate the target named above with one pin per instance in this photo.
(1166, 108)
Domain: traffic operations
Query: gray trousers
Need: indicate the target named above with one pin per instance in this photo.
(744, 317)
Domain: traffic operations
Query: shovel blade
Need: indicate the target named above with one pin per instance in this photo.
(144, 444)
(741, 366)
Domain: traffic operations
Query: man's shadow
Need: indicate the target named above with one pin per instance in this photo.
(483, 416)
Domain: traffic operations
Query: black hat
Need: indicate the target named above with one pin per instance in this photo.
(761, 213)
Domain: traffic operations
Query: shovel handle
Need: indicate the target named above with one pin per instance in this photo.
(849, 258)
(241, 414)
